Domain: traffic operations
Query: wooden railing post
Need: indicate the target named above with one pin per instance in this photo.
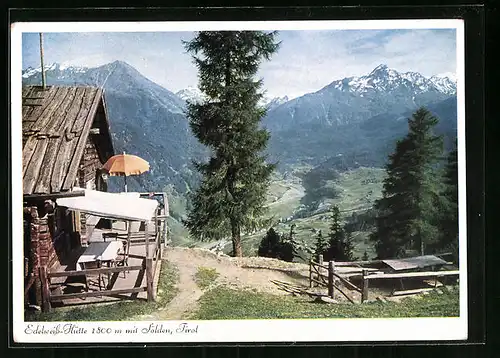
(320, 268)
(159, 248)
(146, 237)
(364, 292)
(311, 285)
(331, 269)
(156, 224)
(149, 279)
(45, 289)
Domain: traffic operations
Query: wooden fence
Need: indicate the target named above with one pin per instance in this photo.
(148, 267)
(317, 276)
(329, 280)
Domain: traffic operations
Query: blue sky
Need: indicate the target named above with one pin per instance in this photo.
(307, 60)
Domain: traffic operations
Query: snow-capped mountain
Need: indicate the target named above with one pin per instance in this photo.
(63, 69)
(272, 103)
(446, 83)
(383, 78)
(145, 119)
(450, 75)
(353, 115)
(191, 94)
(342, 116)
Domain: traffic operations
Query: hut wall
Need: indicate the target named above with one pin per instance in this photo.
(90, 166)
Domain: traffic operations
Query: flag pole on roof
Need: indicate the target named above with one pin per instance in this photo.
(125, 177)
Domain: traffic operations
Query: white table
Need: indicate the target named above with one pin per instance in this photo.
(99, 251)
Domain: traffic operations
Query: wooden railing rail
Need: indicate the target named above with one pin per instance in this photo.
(412, 274)
(54, 298)
(94, 271)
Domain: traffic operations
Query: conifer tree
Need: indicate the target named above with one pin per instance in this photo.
(277, 246)
(365, 256)
(268, 245)
(320, 245)
(336, 237)
(449, 212)
(235, 179)
(406, 213)
(347, 247)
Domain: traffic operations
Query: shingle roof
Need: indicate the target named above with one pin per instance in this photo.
(56, 125)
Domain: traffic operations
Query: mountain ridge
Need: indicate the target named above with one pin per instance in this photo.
(149, 120)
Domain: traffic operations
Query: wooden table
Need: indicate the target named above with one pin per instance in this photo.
(99, 253)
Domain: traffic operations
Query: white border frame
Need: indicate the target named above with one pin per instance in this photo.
(304, 330)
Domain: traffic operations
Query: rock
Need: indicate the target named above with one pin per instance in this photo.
(439, 292)
(325, 299)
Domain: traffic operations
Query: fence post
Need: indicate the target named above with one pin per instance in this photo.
(311, 273)
(320, 268)
(364, 294)
(45, 289)
(331, 268)
(149, 279)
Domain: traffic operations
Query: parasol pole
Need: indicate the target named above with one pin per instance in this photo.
(124, 173)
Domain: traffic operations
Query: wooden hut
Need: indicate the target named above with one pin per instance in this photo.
(66, 140)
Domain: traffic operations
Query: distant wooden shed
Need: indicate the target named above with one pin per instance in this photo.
(414, 263)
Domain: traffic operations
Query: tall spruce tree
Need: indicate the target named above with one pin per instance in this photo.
(335, 237)
(320, 245)
(406, 213)
(449, 212)
(235, 179)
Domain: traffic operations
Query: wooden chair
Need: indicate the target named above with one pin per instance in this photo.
(122, 258)
(107, 236)
(100, 278)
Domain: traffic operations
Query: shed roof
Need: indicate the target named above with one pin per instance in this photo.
(112, 205)
(414, 262)
(56, 125)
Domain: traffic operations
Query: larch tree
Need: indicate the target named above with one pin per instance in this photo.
(236, 177)
(407, 216)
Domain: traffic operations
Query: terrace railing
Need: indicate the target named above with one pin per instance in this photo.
(148, 268)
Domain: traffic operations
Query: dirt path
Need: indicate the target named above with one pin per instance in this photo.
(253, 273)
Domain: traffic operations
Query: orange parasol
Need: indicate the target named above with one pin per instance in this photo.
(126, 164)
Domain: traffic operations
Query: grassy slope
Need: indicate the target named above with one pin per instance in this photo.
(226, 303)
